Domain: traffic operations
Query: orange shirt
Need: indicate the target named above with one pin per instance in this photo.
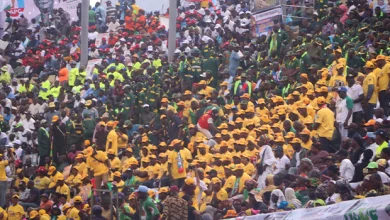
(141, 21)
(63, 74)
(129, 22)
(112, 41)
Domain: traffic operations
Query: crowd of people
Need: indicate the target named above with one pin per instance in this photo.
(236, 125)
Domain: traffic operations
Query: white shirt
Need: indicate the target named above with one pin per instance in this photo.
(268, 158)
(112, 26)
(298, 158)
(18, 153)
(342, 110)
(281, 164)
(42, 108)
(385, 179)
(387, 170)
(354, 92)
(347, 170)
(28, 124)
(93, 35)
(33, 108)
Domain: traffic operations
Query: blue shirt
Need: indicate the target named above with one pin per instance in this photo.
(234, 62)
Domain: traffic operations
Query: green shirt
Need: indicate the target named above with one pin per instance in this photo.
(92, 16)
(121, 215)
(149, 208)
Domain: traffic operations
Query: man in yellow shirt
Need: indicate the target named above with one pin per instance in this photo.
(370, 90)
(112, 138)
(98, 164)
(3, 176)
(15, 211)
(177, 164)
(73, 213)
(324, 124)
(62, 188)
(383, 72)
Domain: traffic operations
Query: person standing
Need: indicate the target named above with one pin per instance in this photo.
(355, 91)
(370, 90)
(267, 161)
(147, 204)
(98, 165)
(175, 208)
(58, 134)
(43, 141)
(344, 106)
(112, 138)
(324, 124)
(234, 60)
(3, 175)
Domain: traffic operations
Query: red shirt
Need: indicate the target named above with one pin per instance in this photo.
(205, 119)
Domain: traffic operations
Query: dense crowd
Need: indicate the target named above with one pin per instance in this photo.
(236, 125)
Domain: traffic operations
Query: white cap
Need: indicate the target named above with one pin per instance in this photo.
(95, 100)
(177, 51)
(186, 42)
(150, 48)
(203, 75)
(145, 106)
(241, 13)
(315, 13)
(217, 26)
(18, 142)
(208, 21)
(122, 39)
(248, 12)
(225, 19)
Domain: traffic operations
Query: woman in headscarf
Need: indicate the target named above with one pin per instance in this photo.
(277, 197)
(292, 199)
(269, 182)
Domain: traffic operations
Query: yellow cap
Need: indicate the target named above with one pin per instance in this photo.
(295, 141)
(189, 181)
(117, 174)
(52, 169)
(215, 180)
(33, 214)
(370, 65)
(77, 199)
(55, 118)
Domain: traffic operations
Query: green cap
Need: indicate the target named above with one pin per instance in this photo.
(313, 66)
(372, 165)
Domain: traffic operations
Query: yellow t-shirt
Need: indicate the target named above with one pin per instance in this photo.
(3, 164)
(163, 170)
(173, 160)
(54, 178)
(123, 143)
(73, 214)
(64, 190)
(18, 181)
(41, 183)
(307, 145)
(82, 168)
(250, 169)
(115, 163)
(98, 166)
(229, 183)
(72, 180)
(15, 212)
(337, 81)
(221, 195)
(220, 171)
(153, 171)
(325, 117)
(112, 138)
(371, 79)
(383, 74)
(241, 184)
(120, 185)
(5, 215)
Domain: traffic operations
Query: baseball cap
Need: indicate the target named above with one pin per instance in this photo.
(142, 189)
(380, 132)
(372, 165)
(342, 89)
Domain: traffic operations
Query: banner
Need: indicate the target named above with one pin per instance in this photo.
(91, 66)
(372, 208)
(265, 21)
(40, 9)
(263, 5)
